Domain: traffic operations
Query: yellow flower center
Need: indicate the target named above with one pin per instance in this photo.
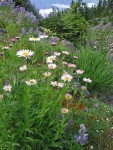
(68, 97)
(25, 54)
(31, 82)
(64, 111)
(66, 78)
(8, 89)
(34, 39)
(52, 67)
(56, 84)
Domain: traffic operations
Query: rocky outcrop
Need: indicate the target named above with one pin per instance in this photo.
(69, 45)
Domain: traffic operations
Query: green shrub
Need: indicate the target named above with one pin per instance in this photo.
(68, 25)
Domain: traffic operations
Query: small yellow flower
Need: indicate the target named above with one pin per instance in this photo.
(64, 110)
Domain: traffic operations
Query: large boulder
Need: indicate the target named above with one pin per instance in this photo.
(68, 45)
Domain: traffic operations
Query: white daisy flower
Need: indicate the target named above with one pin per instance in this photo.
(64, 110)
(57, 84)
(66, 77)
(54, 83)
(47, 74)
(57, 53)
(60, 85)
(79, 71)
(68, 96)
(64, 63)
(7, 88)
(50, 59)
(52, 66)
(65, 52)
(43, 36)
(71, 65)
(24, 53)
(87, 80)
(31, 82)
(6, 47)
(34, 39)
(75, 57)
(23, 68)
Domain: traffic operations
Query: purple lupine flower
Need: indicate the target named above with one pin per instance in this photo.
(85, 109)
(15, 10)
(77, 138)
(18, 8)
(23, 31)
(31, 30)
(22, 9)
(82, 138)
(10, 1)
(3, 3)
(53, 41)
(82, 129)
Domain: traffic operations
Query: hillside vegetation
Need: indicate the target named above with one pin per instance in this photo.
(53, 98)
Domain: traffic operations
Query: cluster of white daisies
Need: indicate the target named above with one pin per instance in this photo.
(51, 65)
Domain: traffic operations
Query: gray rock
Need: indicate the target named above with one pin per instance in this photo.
(93, 44)
(86, 91)
(111, 50)
(3, 30)
(68, 45)
(56, 39)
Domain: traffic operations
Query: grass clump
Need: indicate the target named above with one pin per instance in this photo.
(97, 67)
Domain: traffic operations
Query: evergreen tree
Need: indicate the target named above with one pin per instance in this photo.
(110, 5)
(72, 3)
(104, 4)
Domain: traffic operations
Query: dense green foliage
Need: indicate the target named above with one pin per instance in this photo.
(68, 25)
(72, 23)
(31, 113)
